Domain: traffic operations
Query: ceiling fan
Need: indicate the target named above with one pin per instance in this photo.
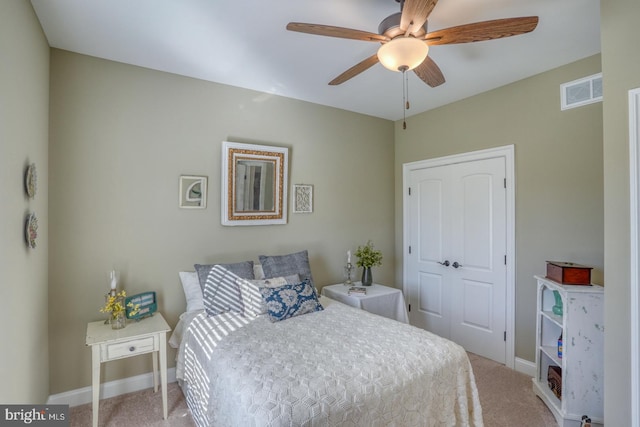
(405, 39)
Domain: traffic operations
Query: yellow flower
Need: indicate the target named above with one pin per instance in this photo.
(115, 305)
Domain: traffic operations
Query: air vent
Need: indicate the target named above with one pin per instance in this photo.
(581, 92)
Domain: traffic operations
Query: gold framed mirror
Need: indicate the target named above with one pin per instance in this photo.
(254, 184)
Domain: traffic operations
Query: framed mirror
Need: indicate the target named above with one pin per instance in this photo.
(254, 184)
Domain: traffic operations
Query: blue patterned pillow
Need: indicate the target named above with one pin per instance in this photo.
(290, 300)
(252, 300)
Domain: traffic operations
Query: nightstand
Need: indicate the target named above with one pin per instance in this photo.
(379, 299)
(148, 335)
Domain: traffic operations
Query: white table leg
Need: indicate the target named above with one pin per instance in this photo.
(154, 358)
(95, 381)
(163, 371)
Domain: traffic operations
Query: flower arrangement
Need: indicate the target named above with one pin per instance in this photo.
(368, 256)
(115, 305)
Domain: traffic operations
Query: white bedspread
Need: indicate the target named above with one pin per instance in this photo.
(337, 367)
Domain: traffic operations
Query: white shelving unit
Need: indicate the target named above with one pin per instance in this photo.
(582, 327)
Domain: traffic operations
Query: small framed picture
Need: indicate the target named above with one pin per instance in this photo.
(302, 198)
(193, 192)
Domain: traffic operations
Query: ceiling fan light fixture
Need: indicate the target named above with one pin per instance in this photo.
(403, 53)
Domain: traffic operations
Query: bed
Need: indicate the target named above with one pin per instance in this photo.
(333, 365)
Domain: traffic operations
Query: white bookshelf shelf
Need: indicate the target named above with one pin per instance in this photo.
(582, 328)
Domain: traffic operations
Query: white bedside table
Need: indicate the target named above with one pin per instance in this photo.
(149, 335)
(380, 299)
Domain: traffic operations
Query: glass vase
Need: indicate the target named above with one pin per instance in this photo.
(118, 320)
(367, 278)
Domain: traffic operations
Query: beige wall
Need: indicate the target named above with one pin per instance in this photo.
(118, 131)
(621, 72)
(120, 138)
(558, 165)
(24, 101)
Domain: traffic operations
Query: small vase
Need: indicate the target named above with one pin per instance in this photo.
(557, 309)
(118, 320)
(367, 278)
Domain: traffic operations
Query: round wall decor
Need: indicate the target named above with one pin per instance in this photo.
(31, 230)
(30, 180)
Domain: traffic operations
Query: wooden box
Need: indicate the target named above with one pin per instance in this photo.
(569, 273)
(554, 379)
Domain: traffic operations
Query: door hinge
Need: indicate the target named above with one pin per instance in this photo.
(505, 336)
(409, 307)
(505, 260)
(409, 249)
(409, 190)
(505, 183)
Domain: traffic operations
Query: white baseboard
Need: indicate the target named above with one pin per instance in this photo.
(84, 395)
(526, 367)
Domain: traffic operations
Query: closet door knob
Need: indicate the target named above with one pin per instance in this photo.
(456, 265)
(445, 263)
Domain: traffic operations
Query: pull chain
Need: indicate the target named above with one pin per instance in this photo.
(405, 95)
(404, 101)
(406, 76)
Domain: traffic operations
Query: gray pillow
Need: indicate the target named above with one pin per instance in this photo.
(286, 265)
(219, 289)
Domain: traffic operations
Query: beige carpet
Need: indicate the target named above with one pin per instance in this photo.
(140, 409)
(506, 397)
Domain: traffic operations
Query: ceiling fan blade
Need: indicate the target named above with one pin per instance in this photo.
(415, 14)
(480, 31)
(429, 72)
(340, 32)
(355, 70)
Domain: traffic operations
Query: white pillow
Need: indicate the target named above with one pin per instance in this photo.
(252, 298)
(192, 290)
(257, 271)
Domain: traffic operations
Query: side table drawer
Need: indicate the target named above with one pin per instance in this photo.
(128, 348)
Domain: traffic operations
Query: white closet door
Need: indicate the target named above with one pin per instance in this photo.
(456, 269)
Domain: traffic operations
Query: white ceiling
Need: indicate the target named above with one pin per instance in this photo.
(244, 43)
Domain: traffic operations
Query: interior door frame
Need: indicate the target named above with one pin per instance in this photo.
(634, 202)
(507, 152)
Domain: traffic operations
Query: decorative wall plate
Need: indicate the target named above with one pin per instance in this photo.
(302, 198)
(30, 180)
(31, 230)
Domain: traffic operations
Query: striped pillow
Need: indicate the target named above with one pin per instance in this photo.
(220, 291)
